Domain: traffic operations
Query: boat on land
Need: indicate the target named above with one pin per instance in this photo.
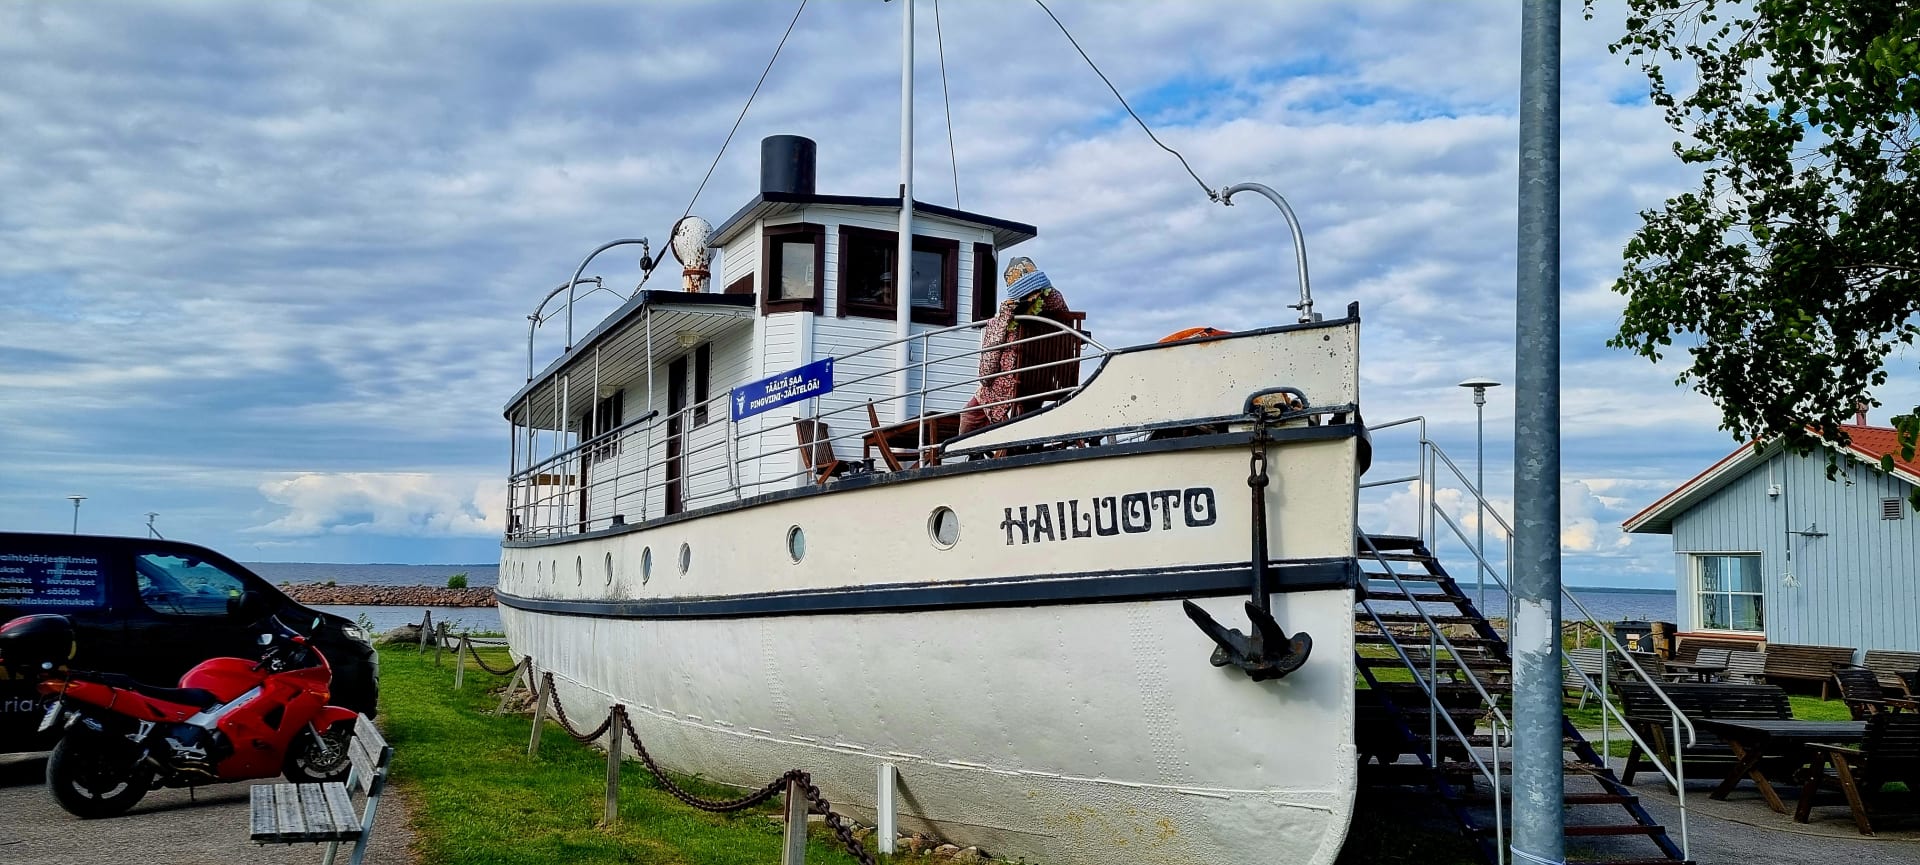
(1118, 623)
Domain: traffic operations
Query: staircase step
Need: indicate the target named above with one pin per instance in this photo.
(1405, 576)
(1615, 829)
(1391, 542)
(1424, 597)
(1630, 862)
(1460, 642)
(1599, 799)
(1364, 617)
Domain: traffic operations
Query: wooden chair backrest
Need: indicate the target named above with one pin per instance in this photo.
(1592, 662)
(1046, 349)
(1814, 663)
(1892, 747)
(1712, 656)
(1749, 665)
(816, 443)
(1890, 665)
(370, 755)
(1708, 700)
(1653, 664)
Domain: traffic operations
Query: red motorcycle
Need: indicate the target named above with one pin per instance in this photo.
(229, 720)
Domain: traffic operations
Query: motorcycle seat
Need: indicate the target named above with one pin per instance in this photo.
(199, 698)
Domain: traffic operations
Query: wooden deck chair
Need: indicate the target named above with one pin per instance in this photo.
(1861, 690)
(876, 439)
(816, 450)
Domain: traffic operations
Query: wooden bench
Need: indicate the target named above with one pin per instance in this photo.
(1687, 649)
(1747, 668)
(1894, 668)
(312, 813)
(1890, 753)
(1651, 718)
(1807, 663)
(1861, 691)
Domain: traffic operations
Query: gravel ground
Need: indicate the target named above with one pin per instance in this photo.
(168, 827)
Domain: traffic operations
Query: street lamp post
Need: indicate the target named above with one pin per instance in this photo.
(1480, 506)
(151, 531)
(76, 512)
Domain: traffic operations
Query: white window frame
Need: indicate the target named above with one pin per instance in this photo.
(1698, 591)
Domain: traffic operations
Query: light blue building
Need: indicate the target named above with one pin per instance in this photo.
(1765, 546)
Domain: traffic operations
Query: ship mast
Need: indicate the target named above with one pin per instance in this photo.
(903, 255)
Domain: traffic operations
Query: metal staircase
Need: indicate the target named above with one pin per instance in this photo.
(1432, 707)
(1432, 713)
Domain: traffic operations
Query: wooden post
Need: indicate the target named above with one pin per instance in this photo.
(439, 639)
(794, 850)
(520, 671)
(426, 627)
(460, 663)
(885, 831)
(540, 698)
(616, 731)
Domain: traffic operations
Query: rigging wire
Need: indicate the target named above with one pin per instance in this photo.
(1211, 193)
(743, 108)
(940, 40)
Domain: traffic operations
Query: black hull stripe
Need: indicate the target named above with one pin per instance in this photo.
(1025, 591)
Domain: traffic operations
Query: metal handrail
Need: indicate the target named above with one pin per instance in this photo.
(550, 512)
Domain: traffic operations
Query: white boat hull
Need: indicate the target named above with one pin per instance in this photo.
(1067, 729)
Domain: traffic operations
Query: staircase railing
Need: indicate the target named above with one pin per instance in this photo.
(1426, 483)
(1500, 728)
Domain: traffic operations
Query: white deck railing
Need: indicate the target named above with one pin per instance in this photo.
(593, 485)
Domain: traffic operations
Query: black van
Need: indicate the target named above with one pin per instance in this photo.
(152, 609)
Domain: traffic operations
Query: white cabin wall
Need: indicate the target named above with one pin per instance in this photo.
(844, 338)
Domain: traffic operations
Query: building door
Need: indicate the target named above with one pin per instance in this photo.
(676, 428)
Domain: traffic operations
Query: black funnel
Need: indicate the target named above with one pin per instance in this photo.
(786, 164)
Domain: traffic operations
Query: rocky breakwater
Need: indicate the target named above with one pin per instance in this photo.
(391, 596)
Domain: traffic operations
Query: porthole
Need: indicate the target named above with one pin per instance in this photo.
(796, 544)
(579, 572)
(686, 558)
(646, 564)
(943, 527)
(609, 569)
(539, 572)
(554, 574)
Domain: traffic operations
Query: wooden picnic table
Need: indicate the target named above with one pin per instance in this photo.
(1700, 672)
(1757, 740)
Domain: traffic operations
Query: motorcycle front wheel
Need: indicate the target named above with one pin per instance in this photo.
(92, 779)
(322, 759)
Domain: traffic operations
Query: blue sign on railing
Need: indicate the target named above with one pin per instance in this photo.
(793, 385)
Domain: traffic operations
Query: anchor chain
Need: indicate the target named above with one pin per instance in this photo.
(475, 654)
(560, 714)
(1267, 652)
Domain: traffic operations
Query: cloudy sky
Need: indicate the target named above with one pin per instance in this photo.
(265, 267)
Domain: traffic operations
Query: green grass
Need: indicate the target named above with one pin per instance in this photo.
(476, 798)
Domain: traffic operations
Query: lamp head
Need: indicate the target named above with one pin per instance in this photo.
(689, 243)
(1479, 386)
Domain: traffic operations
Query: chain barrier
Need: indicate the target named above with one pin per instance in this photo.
(474, 653)
(566, 724)
(816, 802)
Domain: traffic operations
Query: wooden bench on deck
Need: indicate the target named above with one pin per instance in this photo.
(1807, 663)
(1687, 649)
(1747, 668)
(1651, 718)
(312, 813)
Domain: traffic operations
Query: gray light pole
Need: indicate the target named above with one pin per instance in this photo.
(1480, 505)
(76, 512)
(1539, 783)
(150, 529)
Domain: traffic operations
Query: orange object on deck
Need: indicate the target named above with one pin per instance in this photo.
(1194, 333)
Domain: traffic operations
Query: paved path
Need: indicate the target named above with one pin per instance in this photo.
(168, 827)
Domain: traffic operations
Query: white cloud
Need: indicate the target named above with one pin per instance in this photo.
(395, 504)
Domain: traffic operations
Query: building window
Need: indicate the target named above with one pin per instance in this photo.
(795, 257)
(986, 282)
(867, 275)
(1892, 509)
(1730, 593)
(601, 420)
(702, 374)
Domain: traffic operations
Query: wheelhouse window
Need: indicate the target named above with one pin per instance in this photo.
(795, 259)
(867, 275)
(1730, 593)
(986, 285)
